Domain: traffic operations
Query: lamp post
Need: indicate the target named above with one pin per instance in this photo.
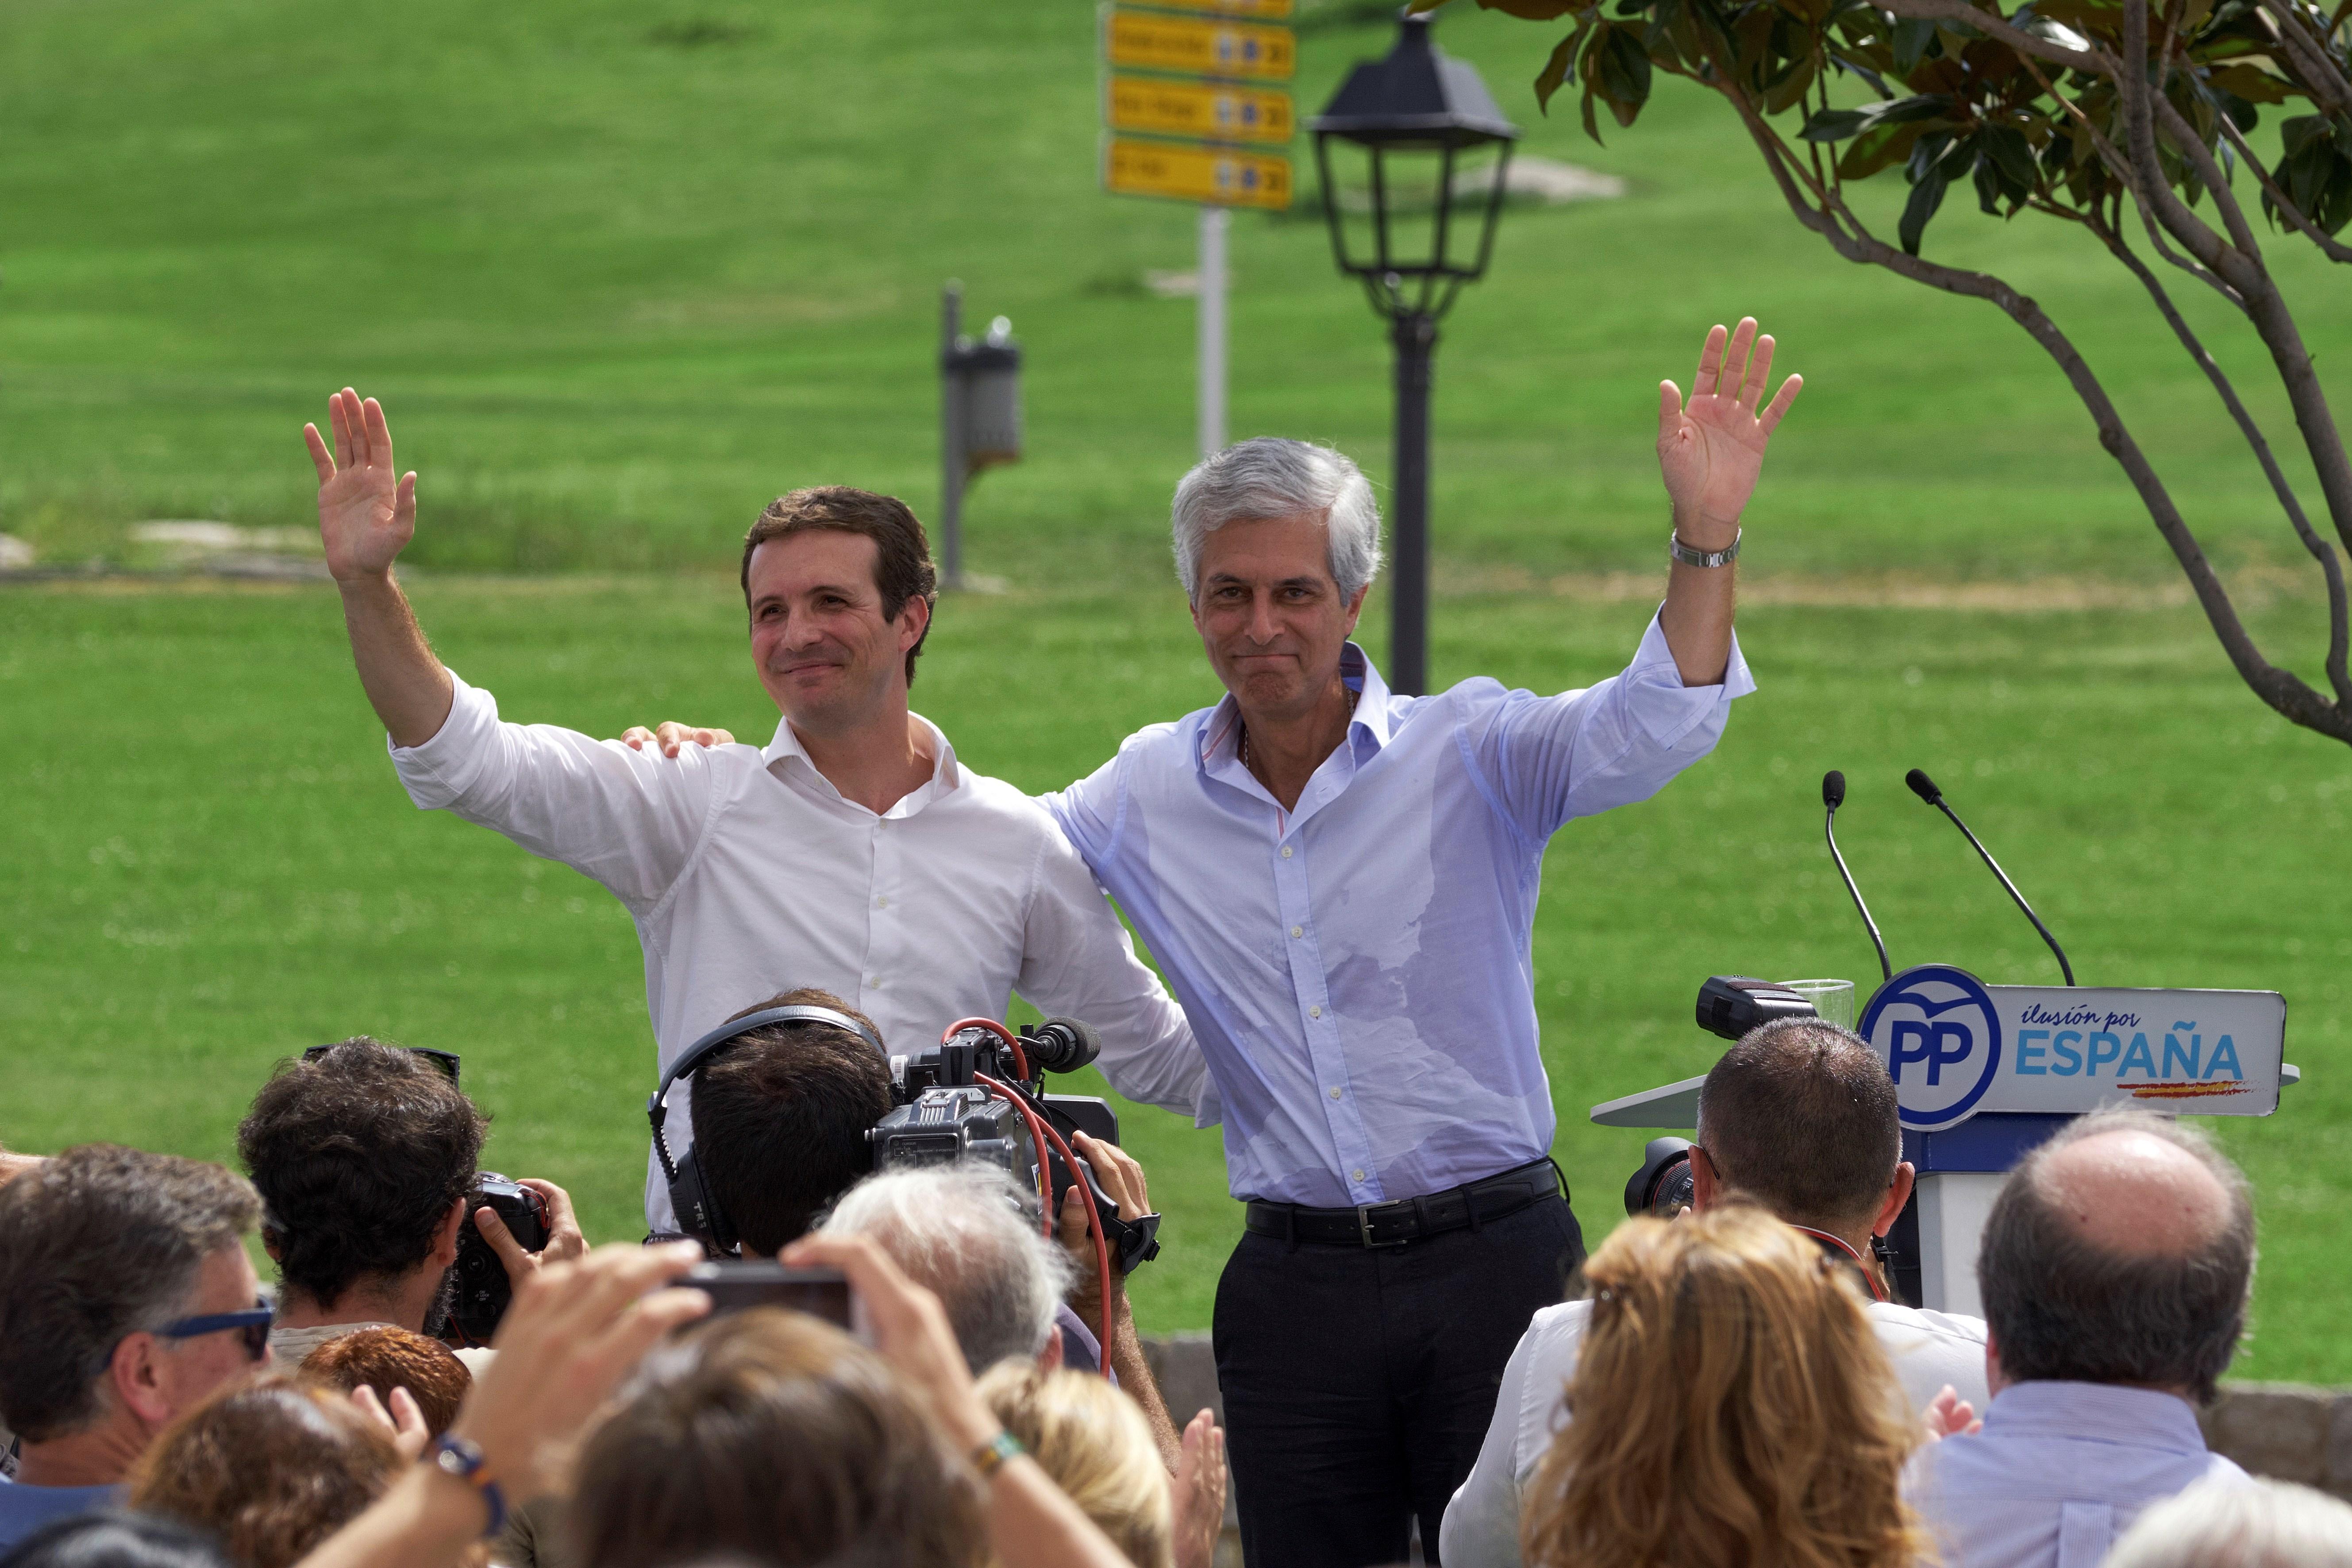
(1434, 150)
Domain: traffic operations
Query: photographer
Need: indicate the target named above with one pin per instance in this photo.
(365, 1158)
(125, 1298)
(1799, 1116)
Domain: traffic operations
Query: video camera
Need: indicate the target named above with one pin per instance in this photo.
(977, 1096)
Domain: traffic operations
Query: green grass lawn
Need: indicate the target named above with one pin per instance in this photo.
(623, 269)
(209, 865)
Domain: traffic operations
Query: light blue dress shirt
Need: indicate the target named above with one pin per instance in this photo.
(1357, 971)
(2059, 1471)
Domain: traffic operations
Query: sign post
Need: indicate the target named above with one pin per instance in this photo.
(1185, 118)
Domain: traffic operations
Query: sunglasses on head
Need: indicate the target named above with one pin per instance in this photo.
(253, 1323)
(444, 1062)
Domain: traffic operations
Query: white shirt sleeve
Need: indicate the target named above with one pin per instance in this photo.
(1554, 758)
(630, 819)
(1078, 962)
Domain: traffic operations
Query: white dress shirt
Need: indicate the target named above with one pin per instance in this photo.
(2060, 1471)
(1929, 1349)
(1357, 968)
(749, 874)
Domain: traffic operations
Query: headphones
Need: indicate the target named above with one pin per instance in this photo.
(698, 1215)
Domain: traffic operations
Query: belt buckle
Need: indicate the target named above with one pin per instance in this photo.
(1364, 1224)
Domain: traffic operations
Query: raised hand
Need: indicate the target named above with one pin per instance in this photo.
(1197, 1493)
(673, 734)
(1711, 448)
(366, 515)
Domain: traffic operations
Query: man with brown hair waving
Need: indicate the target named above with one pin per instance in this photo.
(851, 853)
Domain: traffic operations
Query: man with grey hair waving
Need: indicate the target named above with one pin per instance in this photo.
(1339, 883)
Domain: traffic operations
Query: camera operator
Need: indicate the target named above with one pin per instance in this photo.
(365, 1158)
(125, 1298)
(1800, 1117)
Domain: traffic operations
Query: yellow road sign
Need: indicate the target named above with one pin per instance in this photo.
(1269, 10)
(1243, 49)
(1218, 175)
(1210, 110)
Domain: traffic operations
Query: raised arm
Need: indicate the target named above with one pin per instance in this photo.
(366, 517)
(1711, 452)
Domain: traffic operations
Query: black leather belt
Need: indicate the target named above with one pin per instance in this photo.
(1407, 1220)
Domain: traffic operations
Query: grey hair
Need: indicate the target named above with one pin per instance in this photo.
(964, 1233)
(2252, 1524)
(2063, 1309)
(1269, 477)
(96, 1244)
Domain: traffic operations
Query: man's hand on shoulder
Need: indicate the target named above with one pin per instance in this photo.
(669, 735)
(367, 508)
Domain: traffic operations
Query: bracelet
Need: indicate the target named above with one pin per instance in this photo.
(461, 1460)
(1689, 557)
(990, 1455)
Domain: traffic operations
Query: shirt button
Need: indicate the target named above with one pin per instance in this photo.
(1356, 1176)
(1299, 930)
(881, 903)
(874, 984)
(1311, 1012)
(1285, 851)
(1335, 1094)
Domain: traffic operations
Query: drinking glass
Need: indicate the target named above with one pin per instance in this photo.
(1833, 999)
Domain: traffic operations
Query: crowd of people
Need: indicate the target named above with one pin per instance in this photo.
(1732, 1388)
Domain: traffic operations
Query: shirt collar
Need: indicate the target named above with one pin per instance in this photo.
(1368, 730)
(2104, 1411)
(786, 747)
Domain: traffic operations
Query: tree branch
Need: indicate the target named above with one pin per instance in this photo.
(2293, 215)
(2283, 690)
(2339, 627)
(2319, 69)
(2095, 60)
(2243, 273)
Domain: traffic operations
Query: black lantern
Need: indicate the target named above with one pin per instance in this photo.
(1434, 152)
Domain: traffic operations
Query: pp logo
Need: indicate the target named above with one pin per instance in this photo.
(1937, 1029)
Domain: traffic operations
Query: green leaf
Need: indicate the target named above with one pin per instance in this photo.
(1788, 86)
(1624, 73)
(1925, 197)
(1837, 124)
(1912, 41)
(1562, 67)
(2013, 154)
(1883, 146)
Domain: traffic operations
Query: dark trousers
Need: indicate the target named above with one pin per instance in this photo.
(1358, 1381)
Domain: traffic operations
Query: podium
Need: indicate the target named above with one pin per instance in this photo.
(1983, 1074)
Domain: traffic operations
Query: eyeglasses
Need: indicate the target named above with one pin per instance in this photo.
(446, 1062)
(253, 1323)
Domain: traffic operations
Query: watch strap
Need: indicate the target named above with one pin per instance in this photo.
(990, 1454)
(462, 1460)
(1689, 557)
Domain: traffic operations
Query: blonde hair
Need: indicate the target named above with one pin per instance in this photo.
(1095, 1444)
(1731, 1409)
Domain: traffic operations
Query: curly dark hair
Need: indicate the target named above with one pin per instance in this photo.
(359, 1155)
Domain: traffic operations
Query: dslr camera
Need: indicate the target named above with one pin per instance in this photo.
(482, 1288)
(944, 1115)
(1729, 1007)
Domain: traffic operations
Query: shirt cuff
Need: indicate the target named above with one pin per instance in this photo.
(1669, 709)
(439, 772)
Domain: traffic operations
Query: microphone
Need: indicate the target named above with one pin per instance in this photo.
(1833, 796)
(1060, 1045)
(1924, 788)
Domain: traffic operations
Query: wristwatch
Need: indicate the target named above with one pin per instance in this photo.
(1689, 557)
(461, 1460)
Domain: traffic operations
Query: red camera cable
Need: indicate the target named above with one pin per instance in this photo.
(1012, 1041)
(1043, 1131)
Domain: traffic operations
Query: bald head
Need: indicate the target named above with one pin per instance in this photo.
(2121, 1251)
(2127, 1191)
